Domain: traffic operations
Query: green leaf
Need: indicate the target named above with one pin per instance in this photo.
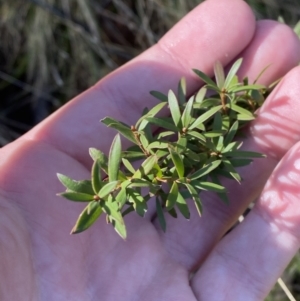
(223, 195)
(173, 212)
(240, 110)
(209, 103)
(195, 198)
(140, 183)
(133, 155)
(107, 189)
(209, 186)
(245, 117)
(99, 156)
(240, 162)
(162, 123)
(178, 162)
(174, 109)
(219, 74)
(122, 128)
(231, 133)
(109, 120)
(204, 117)
(213, 134)
(182, 91)
(200, 95)
(139, 202)
(128, 165)
(76, 186)
(206, 79)
(76, 196)
(124, 131)
(141, 124)
(96, 176)
(232, 72)
(146, 167)
(164, 134)
(244, 154)
(182, 206)
(192, 155)
(228, 167)
(232, 146)
(160, 215)
(120, 228)
(247, 88)
(114, 159)
(121, 197)
(181, 143)
(172, 196)
(205, 170)
(196, 135)
(158, 144)
(111, 208)
(88, 217)
(162, 97)
(187, 113)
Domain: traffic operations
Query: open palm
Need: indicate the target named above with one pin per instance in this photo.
(39, 260)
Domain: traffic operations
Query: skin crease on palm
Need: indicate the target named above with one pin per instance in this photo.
(39, 260)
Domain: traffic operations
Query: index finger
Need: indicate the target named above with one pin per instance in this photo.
(215, 30)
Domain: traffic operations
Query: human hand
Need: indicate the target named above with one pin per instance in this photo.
(40, 261)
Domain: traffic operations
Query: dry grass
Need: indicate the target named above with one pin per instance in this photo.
(51, 50)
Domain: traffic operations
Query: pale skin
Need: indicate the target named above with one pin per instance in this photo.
(39, 260)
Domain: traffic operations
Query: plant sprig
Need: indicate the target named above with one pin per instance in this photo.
(191, 151)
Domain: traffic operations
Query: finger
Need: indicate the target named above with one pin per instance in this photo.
(190, 242)
(249, 260)
(197, 41)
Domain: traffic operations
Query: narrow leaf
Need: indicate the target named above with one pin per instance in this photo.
(228, 166)
(128, 165)
(140, 124)
(247, 88)
(98, 155)
(209, 186)
(120, 228)
(174, 109)
(162, 123)
(124, 131)
(187, 113)
(240, 110)
(158, 144)
(160, 215)
(231, 133)
(76, 186)
(196, 135)
(86, 219)
(182, 91)
(146, 167)
(162, 97)
(178, 162)
(244, 154)
(195, 198)
(182, 206)
(200, 95)
(107, 189)
(232, 72)
(219, 74)
(96, 176)
(205, 170)
(172, 196)
(204, 117)
(76, 196)
(206, 79)
(114, 159)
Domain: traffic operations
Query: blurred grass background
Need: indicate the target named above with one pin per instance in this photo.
(51, 50)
